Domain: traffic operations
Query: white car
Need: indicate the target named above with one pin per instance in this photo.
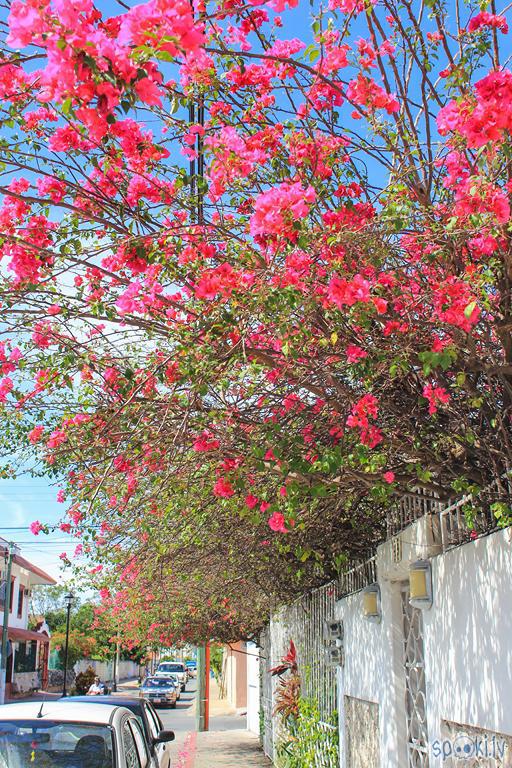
(176, 668)
(73, 735)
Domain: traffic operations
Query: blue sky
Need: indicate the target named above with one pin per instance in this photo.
(27, 499)
(21, 502)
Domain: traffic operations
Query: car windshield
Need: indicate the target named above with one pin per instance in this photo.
(170, 668)
(157, 682)
(46, 744)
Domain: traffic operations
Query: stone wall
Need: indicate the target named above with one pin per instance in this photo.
(56, 679)
(362, 734)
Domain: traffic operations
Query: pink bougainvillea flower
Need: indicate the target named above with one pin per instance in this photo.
(436, 396)
(36, 527)
(276, 523)
(251, 500)
(223, 488)
(354, 353)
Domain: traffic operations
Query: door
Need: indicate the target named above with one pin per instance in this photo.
(415, 687)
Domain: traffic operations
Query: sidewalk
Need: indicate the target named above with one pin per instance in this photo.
(127, 686)
(226, 745)
(218, 706)
(221, 749)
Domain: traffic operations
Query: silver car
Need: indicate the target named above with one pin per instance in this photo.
(160, 691)
(74, 735)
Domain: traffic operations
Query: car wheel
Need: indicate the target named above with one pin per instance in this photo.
(173, 706)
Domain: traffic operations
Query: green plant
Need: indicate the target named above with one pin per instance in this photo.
(216, 661)
(288, 690)
(308, 739)
(84, 680)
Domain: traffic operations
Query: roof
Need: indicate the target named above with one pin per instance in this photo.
(61, 710)
(44, 578)
(16, 633)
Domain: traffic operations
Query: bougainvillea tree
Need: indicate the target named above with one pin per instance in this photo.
(255, 282)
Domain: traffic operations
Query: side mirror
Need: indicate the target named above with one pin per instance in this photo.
(164, 736)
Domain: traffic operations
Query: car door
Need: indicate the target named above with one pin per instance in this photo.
(162, 751)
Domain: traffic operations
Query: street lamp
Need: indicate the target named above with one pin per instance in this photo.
(69, 600)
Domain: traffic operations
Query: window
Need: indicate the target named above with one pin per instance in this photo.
(130, 748)
(154, 725)
(25, 658)
(139, 741)
(43, 743)
(173, 667)
(21, 594)
(11, 593)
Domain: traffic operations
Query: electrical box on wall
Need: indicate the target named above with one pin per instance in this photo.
(334, 634)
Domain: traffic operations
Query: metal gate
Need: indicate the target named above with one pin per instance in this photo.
(415, 689)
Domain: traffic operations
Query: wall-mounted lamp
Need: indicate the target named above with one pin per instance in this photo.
(420, 584)
(372, 610)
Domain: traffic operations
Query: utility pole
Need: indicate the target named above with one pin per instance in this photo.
(116, 667)
(207, 687)
(201, 687)
(5, 627)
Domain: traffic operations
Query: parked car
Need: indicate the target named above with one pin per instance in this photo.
(175, 668)
(73, 735)
(174, 678)
(160, 690)
(191, 667)
(147, 717)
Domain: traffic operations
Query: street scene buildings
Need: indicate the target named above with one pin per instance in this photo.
(255, 383)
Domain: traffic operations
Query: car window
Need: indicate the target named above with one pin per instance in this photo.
(156, 682)
(171, 668)
(130, 748)
(48, 743)
(154, 725)
(140, 741)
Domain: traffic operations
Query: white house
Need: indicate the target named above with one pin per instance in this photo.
(28, 651)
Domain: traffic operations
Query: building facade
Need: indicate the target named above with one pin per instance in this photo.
(409, 654)
(28, 651)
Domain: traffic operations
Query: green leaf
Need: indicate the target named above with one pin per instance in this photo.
(469, 309)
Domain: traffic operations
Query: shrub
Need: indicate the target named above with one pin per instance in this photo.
(84, 680)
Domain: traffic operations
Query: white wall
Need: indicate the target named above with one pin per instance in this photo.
(373, 671)
(253, 688)
(21, 580)
(468, 636)
(467, 640)
(24, 682)
(105, 669)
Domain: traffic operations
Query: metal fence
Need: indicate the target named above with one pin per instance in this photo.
(456, 520)
(303, 622)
